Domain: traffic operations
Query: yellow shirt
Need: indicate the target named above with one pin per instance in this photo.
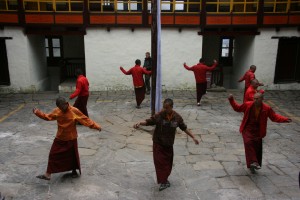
(66, 122)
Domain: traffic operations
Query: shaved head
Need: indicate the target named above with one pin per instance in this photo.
(60, 101)
(258, 99)
(254, 83)
(258, 95)
(253, 68)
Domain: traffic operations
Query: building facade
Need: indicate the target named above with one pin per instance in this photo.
(42, 42)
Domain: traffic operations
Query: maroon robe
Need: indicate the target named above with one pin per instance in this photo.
(163, 141)
(63, 156)
(201, 90)
(139, 95)
(163, 162)
(81, 103)
(252, 139)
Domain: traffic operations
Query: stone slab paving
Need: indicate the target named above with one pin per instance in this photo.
(117, 163)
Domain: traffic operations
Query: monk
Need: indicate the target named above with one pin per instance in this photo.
(138, 82)
(81, 92)
(248, 76)
(254, 127)
(166, 121)
(252, 90)
(64, 155)
(200, 70)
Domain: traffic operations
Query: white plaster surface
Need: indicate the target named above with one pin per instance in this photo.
(26, 61)
(261, 50)
(106, 51)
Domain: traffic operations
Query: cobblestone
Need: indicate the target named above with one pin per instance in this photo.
(117, 163)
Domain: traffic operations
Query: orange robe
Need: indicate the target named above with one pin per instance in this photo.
(64, 155)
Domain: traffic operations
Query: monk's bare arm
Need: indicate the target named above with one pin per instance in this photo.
(189, 133)
(137, 125)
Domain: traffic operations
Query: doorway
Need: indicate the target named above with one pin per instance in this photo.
(4, 75)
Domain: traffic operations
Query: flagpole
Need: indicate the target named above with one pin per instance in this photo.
(154, 54)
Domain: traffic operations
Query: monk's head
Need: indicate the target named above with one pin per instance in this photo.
(258, 99)
(202, 60)
(147, 54)
(168, 105)
(255, 83)
(78, 72)
(62, 104)
(138, 62)
(253, 68)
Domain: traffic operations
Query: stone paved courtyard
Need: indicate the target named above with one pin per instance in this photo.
(117, 163)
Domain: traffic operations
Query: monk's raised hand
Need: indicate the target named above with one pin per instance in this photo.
(289, 120)
(230, 96)
(34, 110)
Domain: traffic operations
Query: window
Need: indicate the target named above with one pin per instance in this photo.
(53, 47)
(226, 51)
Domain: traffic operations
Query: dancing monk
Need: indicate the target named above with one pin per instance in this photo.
(254, 127)
(166, 121)
(200, 70)
(138, 82)
(248, 77)
(252, 90)
(81, 92)
(64, 155)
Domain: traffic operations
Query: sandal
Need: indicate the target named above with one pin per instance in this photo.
(42, 176)
(74, 174)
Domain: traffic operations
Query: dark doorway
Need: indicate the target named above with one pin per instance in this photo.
(4, 75)
(288, 61)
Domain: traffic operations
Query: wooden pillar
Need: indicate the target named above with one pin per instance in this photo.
(153, 54)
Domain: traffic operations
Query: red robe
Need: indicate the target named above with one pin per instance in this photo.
(200, 75)
(254, 128)
(139, 87)
(248, 77)
(137, 75)
(266, 112)
(249, 95)
(200, 71)
(82, 91)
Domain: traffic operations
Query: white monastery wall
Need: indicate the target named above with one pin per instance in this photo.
(265, 53)
(242, 59)
(26, 61)
(106, 51)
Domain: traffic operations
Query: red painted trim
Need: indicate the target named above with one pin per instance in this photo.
(187, 20)
(9, 18)
(39, 19)
(102, 19)
(276, 19)
(129, 19)
(218, 20)
(243, 20)
(68, 19)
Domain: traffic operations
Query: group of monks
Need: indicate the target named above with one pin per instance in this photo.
(64, 155)
(254, 124)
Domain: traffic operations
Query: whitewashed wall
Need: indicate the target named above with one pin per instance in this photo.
(262, 52)
(243, 58)
(106, 51)
(265, 54)
(26, 60)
